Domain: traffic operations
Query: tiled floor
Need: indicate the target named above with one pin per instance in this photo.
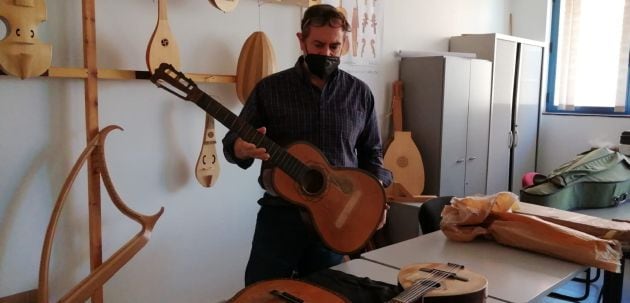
(577, 289)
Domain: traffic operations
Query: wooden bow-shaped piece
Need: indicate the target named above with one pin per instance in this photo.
(95, 280)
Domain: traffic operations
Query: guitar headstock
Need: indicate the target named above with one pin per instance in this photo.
(174, 81)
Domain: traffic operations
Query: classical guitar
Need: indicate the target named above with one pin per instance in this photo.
(440, 283)
(286, 291)
(345, 204)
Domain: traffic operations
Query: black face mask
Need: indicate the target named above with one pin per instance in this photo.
(320, 65)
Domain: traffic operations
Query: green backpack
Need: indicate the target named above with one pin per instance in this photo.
(594, 179)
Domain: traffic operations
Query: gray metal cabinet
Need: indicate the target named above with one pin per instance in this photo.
(515, 109)
(446, 108)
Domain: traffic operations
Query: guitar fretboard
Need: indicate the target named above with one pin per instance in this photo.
(278, 155)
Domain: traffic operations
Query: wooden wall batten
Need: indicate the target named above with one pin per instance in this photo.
(91, 125)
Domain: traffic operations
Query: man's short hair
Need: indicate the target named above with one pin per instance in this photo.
(321, 15)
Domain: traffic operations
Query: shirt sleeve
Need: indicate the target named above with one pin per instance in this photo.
(369, 146)
(251, 115)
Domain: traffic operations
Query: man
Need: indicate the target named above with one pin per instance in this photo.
(316, 102)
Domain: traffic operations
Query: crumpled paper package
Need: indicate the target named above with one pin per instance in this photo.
(490, 216)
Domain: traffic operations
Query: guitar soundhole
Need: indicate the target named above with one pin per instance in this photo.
(429, 283)
(312, 182)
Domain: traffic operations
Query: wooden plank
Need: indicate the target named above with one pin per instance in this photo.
(91, 122)
(303, 3)
(122, 74)
(29, 296)
(599, 227)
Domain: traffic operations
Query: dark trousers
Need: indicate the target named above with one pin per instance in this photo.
(284, 246)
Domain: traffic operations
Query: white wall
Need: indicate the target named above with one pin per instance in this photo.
(200, 245)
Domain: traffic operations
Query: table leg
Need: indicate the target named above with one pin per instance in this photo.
(613, 285)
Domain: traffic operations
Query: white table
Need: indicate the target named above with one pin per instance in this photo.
(513, 275)
(377, 272)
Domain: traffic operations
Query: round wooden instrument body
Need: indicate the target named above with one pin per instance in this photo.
(262, 292)
(442, 289)
(256, 61)
(225, 6)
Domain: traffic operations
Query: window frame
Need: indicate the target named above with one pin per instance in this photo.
(551, 77)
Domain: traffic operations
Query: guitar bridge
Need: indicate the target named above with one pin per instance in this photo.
(287, 297)
(446, 274)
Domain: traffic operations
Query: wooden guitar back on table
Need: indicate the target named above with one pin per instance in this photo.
(285, 290)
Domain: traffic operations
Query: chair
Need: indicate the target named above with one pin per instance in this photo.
(430, 214)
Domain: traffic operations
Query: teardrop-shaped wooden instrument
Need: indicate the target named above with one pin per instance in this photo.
(225, 6)
(256, 61)
(402, 156)
(162, 46)
(207, 168)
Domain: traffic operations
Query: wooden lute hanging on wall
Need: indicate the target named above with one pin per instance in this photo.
(225, 6)
(208, 168)
(162, 45)
(402, 156)
(256, 61)
(22, 54)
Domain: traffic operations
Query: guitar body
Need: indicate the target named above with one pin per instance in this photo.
(162, 45)
(261, 292)
(347, 209)
(446, 290)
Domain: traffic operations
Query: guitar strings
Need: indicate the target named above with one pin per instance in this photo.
(415, 292)
(442, 275)
(434, 278)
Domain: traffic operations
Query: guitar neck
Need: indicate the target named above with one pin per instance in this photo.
(278, 155)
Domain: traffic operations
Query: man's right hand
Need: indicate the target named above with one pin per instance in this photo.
(245, 150)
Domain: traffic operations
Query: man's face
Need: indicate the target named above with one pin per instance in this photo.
(322, 40)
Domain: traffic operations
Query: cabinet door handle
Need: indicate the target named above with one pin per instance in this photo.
(472, 158)
(510, 139)
(515, 138)
(459, 161)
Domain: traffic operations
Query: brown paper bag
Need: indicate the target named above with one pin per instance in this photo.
(490, 216)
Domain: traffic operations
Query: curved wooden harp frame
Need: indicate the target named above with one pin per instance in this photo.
(97, 277)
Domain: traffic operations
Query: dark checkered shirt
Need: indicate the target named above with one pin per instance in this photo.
(340, 119)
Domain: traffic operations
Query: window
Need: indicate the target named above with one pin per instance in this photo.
(590, 49)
